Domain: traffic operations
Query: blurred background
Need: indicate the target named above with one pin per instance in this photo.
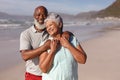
(85, 18)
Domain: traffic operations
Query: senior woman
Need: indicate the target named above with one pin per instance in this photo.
(61, 61)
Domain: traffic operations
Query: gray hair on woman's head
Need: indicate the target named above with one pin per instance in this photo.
(55, 18)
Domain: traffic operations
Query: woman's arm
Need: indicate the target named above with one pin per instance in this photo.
(46, 59)
(77, 52)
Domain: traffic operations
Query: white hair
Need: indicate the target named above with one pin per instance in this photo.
(54, 17)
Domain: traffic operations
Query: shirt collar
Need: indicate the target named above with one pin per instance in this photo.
(34, 30)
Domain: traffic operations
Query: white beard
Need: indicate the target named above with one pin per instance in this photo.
(38, 25)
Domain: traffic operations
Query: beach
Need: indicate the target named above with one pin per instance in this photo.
(102, 62)
(103, 57)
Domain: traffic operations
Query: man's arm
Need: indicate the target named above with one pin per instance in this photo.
(29, 54)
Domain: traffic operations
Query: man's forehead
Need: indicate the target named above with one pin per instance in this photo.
(40, 10)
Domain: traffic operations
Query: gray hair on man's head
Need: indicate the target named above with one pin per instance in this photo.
(54, 17)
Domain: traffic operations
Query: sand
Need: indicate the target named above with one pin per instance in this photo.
(103, 57)
(102, 63)
(13, 73)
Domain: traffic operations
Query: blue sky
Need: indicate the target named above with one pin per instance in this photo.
(26, 7)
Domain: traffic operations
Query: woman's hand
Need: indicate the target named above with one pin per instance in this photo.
(54, 45)
(64, 42)
(66, 34)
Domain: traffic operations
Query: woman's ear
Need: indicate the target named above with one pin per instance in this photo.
(60, 25)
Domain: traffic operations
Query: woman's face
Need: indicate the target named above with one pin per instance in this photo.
(52, 28)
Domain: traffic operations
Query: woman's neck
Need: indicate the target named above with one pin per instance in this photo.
(58, 36)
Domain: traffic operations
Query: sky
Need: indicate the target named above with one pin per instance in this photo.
(26, 7)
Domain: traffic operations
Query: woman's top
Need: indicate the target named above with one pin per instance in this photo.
(64, 66)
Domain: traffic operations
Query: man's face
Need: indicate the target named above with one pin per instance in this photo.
(40, 15)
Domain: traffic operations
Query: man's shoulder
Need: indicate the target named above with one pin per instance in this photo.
(28, 30)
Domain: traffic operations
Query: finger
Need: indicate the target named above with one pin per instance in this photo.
(57, 41)
(63, 38)
(53, 41)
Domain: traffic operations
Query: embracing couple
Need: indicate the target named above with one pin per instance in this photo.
(50, 53)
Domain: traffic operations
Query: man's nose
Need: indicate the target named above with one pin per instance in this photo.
(41, 17)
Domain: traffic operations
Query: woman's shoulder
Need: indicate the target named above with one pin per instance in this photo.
(46, 40)
(74, 40)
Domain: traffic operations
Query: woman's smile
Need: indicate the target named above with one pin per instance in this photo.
(52, 28)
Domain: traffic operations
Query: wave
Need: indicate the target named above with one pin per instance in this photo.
(9, 26)
(13, 24)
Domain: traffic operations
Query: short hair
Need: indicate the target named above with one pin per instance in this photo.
(54, 17)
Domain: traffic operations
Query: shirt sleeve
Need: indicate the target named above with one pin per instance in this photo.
(74, 41)
(24, 42)
(42, 43)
